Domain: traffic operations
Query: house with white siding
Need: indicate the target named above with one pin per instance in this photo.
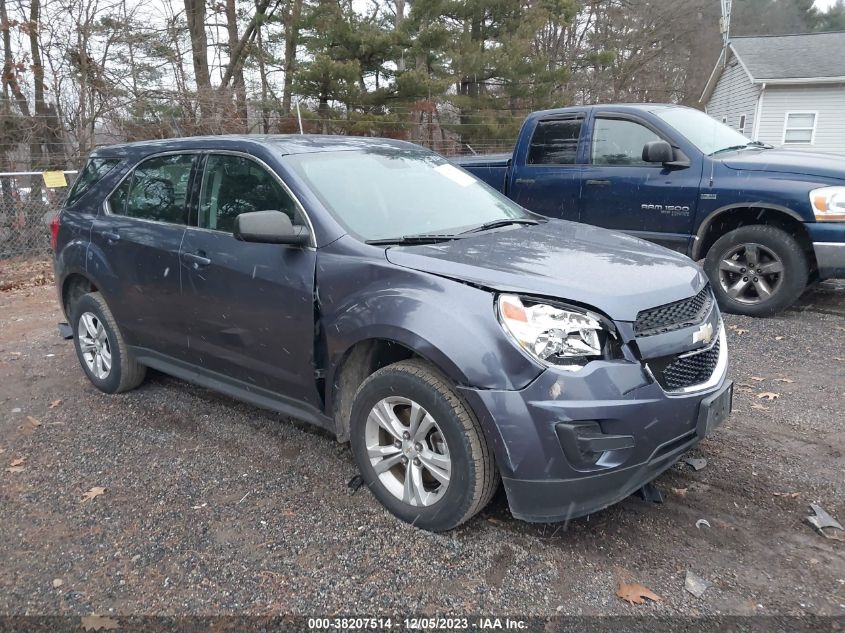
(785, 90)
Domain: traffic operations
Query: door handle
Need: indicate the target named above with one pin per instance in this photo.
(524, 181)
(111, 236)
(597, 183)
(197, 260)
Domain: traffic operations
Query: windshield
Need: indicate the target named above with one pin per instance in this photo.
(702, 130)
(384, 193)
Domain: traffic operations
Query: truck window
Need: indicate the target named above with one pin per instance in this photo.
(555, 142)
(620, 142)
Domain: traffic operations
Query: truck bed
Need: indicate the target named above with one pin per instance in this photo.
(491, 168)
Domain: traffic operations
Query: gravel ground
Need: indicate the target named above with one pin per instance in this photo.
(216, 507)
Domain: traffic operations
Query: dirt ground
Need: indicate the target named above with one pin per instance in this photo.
(215, 507)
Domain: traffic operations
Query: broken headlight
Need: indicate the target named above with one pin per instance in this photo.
(566, 338)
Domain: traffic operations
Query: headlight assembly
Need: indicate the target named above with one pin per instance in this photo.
(828, 203)
(566, 338)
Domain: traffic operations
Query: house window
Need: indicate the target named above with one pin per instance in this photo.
(724, 119)
(741, 127)
(799, 127)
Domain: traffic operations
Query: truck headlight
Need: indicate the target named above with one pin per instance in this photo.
(828, 203)
(566, 338)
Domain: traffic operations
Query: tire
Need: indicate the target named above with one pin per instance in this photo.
(774, 249)
(92, 319)
(473, 477)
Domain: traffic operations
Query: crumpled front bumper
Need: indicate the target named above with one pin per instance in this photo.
(616, 399)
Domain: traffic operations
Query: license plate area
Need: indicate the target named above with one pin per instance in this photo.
(714, 409)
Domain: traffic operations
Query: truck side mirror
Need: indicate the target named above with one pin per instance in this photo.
(658, 152)
(269, 227)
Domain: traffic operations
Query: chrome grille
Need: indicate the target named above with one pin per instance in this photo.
(674, 316)
(686, 371)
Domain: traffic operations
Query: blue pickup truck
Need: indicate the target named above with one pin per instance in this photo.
(766, 221)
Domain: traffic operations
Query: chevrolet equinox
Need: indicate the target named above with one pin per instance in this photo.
(372, 288)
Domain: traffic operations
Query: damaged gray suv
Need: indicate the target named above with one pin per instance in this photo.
(372, 288)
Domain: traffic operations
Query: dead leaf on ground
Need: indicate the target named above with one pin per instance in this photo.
(758, 378)
(790, 495)
(740, 331)
(15, 469)
(786, 380)
(54, 404)
(33, 421)
(768, 395)
(95, 492)
(635, 593)
(17, 462)
(96, 622)
(681, 492)
(759, 407)
(57, 582)
(779, 338)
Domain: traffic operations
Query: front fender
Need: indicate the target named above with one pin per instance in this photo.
(451, 324)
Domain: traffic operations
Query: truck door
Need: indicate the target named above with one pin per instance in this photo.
(546, 177)
(622, 191)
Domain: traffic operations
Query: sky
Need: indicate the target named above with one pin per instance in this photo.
(823, 4)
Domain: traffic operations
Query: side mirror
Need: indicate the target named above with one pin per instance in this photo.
(269, 227)
(658, 152)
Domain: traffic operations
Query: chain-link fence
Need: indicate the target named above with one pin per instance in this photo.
(27, 205)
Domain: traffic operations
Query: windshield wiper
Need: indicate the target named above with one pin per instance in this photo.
(746, 145)
(732, 148)
(420, 238)
(495, 224)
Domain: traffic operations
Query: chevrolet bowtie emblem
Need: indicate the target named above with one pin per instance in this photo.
(703, 334)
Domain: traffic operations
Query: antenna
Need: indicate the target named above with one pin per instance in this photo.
(725, 23)
(299, 116)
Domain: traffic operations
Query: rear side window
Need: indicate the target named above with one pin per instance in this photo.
(93, 172)
(235, 184)
(555, 142)
(156, 190)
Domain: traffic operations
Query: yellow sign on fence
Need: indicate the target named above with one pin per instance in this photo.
(54, 179)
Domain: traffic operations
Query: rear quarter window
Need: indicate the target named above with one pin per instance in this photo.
(93, 172)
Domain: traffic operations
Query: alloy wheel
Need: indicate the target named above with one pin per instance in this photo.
(408, 451)
(750, 273)
(94, 345)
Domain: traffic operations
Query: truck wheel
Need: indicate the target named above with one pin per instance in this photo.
(419, 449)
(103, 354)
(756, 270)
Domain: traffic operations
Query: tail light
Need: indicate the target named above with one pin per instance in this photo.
(54, 231)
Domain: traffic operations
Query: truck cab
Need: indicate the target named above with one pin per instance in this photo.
(765, 221)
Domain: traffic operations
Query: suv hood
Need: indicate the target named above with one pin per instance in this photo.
(614, 273)
(789, 162)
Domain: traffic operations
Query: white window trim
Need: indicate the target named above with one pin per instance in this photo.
(812, 130)
(742, 123)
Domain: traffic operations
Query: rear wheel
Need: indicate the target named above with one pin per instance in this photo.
(103, 354)
(756, 270)
(419, 448)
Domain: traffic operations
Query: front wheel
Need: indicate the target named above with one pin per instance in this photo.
(756, 270)
(419, 448)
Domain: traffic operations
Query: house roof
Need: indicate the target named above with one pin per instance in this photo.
(804, 58)
(792, 56)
